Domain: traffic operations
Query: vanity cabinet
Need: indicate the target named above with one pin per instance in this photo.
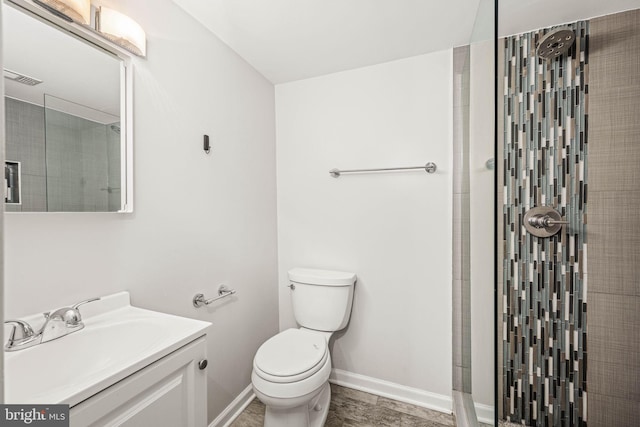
(169, 392)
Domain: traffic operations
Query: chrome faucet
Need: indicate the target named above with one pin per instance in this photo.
(58, 323)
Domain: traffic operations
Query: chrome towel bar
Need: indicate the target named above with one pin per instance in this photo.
(199, 300)
(429, 168)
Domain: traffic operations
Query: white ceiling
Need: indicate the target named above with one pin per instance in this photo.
(519, 16)
(69, 68)
(288, 40)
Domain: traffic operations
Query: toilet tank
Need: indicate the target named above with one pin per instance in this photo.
(322, 298)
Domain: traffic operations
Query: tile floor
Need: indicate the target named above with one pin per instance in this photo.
(355, 408)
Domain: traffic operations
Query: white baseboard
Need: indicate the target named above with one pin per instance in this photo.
(485, 413)
(234, 409)
(393, 391)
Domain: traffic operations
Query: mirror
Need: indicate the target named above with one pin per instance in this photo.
(66, 138)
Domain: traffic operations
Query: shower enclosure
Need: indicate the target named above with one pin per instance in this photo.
(568, 283)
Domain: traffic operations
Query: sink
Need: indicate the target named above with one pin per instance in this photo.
(117, 340)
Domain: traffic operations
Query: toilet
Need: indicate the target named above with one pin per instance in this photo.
(291, 369)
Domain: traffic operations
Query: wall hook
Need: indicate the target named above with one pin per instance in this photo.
(206, 146)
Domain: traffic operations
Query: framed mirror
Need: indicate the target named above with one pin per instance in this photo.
(68, 116)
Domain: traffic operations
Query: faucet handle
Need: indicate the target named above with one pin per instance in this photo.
(21, 331)
(78, 316)
(75, 306)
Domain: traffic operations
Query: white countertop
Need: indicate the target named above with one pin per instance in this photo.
(117, 340)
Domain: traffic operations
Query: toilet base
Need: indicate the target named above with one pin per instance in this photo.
(312, 414)
(320, 409)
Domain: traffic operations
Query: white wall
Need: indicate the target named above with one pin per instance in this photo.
(199, 220)
(2, 148)
(393, 230)
(481, 148)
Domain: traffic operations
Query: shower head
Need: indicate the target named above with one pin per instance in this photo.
(555, 43)
(115, 128)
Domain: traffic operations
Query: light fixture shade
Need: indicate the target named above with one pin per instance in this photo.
(122, 30)
(77, 10)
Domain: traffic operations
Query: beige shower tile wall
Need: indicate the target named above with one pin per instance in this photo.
(613, 376)
(461, 222)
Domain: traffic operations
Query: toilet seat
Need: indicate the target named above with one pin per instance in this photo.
(291, 356)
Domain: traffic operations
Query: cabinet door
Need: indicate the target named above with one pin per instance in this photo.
(170, 392)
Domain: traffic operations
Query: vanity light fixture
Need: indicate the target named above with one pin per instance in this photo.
(70, 10)
(121, 30)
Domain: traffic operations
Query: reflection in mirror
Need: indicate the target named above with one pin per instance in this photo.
(92, 147)
(63, 118)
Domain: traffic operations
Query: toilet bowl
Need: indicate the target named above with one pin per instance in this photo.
(290, 376)
(291, 369)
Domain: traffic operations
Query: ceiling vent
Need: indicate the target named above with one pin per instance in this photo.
(21, 78)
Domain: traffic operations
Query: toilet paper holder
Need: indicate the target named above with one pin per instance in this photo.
(223, 291)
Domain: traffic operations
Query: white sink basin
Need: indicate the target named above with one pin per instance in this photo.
(117, 340)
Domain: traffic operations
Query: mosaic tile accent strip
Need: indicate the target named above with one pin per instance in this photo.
(545, 281)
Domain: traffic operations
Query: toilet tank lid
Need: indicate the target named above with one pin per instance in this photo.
(312, 276)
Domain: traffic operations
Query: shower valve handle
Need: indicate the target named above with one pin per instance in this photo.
(545, 221)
